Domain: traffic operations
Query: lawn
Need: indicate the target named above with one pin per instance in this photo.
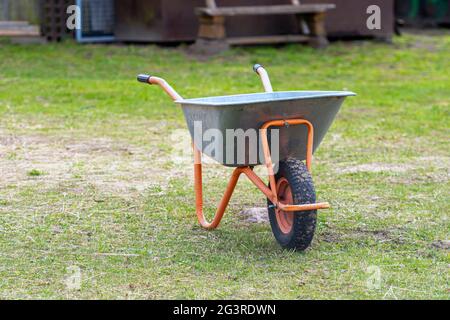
(95, 202)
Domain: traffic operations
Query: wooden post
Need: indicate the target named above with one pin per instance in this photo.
(212, 27)
(316, 25)
(211, 4)
(211, 37)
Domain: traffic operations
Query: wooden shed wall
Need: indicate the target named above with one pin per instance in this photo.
(23, 10)
(174, 20)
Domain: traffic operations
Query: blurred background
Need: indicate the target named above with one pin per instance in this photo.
(173, 21)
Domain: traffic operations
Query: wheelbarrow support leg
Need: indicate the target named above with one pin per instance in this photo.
(199, 192)
(198, 183)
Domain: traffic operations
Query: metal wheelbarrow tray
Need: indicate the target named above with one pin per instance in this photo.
(296, 120)
(251, 111)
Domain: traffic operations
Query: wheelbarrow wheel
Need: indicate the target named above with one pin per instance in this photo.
(293, 230)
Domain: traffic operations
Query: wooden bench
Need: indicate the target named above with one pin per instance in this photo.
(212, 36)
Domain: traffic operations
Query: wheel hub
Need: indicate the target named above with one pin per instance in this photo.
(285, 219)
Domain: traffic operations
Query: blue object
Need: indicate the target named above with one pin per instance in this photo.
(94, 26)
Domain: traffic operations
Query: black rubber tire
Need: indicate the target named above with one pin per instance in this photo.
(304, 223)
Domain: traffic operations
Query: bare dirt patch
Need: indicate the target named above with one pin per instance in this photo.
(329, 236)
(109, 165)
(255, 215)
(442, 244)
(376, 167)
(381, 236)
(436, 162)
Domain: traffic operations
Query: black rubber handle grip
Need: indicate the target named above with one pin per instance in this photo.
(256, 67)
(144, 78)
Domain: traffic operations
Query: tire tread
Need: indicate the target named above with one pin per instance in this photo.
(303, 192)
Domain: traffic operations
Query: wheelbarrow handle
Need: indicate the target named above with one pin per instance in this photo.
(259, 69)
(145, 78)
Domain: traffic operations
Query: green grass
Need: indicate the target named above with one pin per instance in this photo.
(34, 173)
(116, 205)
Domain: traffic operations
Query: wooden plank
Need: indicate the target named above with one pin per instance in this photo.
(13, 24)
(268, 39)
(18, 29)
(20, 33)
(265, 10)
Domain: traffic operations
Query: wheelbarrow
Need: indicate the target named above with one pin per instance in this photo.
(289, 126)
